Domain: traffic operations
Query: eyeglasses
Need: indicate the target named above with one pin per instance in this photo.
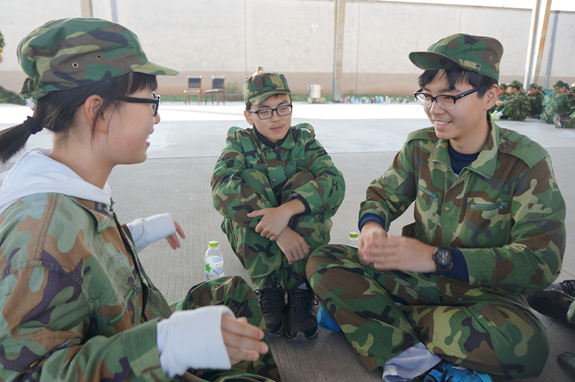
(282, 111)
(446, 102)
(155, 101)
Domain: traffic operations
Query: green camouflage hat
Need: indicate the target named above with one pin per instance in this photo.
(259, 87)
(558, 84)
(516, 84)
(533, 86)
(503, 86)
(70, 53)
(462, 51)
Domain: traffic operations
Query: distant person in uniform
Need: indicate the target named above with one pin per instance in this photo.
(535, 100)
(7, 96)
(556, 107)
(516, 107)
(258, 70)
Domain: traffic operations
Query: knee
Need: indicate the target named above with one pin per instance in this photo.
(323, 257)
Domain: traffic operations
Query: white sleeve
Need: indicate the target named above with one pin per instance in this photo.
(151, 229)
(193, 339)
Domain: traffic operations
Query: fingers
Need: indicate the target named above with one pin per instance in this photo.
(255, 213)
(173, 241)
(242, 340)
(179, 230)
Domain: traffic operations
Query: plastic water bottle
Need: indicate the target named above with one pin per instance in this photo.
(214, 261)
(353, 238)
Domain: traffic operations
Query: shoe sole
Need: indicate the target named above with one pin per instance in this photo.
(279, 332)
(557, 121)
(300, 336)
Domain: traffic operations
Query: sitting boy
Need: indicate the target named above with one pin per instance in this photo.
(277, 188)
(489, 228)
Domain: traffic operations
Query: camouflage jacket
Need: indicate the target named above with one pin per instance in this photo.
(504, 212)
(517, 106)
(536, 102)
(1, 42)
(76, 303)
(555, 103)
(299, 151)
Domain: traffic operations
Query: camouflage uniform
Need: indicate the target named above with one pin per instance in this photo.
(7, 96)
(535, 102)
(252, 174)
(516, 107)
(555, 103)
(504, 212)
(77, 303)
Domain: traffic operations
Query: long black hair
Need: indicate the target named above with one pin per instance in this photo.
(55, 111)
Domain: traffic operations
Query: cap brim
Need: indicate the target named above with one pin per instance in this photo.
(154, 69)
(262, 97)
(434, 61)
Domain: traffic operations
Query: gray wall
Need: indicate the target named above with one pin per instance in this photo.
(232, 37)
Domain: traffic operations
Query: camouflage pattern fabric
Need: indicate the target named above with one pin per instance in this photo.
(70, 53)
(462, 51)
(502, 97)
(504, 212)
(1, 42)
(258, 88)
(77, 303)
(536, 104)
(7, 96)
(471, 326)
(555, 103)
(251, 175)
(517, 107)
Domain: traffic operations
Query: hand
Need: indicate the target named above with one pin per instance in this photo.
(293, 245)
(372, 234)
(173, 238)
(400, 253)
(275, 220)
(499, 102)
(242, 340)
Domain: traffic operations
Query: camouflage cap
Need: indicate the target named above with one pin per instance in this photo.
(558, 84)
(462, 52)
(70, 53)
(533, 86)
(502, 86)
(259, 87)
(516, 84)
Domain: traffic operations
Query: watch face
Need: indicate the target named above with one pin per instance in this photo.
(444, 257)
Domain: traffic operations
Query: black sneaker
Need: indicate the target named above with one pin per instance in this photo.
(552, 303)
(300, 313)
(272, 301)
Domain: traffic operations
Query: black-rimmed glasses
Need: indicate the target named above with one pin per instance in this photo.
(155, 101)
(446, 102)
(282, 111)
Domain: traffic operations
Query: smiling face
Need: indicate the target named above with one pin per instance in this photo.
(465, 126)
(276, 127)
(130, 127)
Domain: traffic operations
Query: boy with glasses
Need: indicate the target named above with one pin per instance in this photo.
(489, 228)
(277, 188)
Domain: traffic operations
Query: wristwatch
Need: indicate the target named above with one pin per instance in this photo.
(443, 258)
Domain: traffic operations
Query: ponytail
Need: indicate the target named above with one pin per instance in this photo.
(14, 139)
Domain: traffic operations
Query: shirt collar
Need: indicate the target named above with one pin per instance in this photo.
(285, 142)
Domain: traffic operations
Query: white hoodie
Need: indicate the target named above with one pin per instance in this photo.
(36, 173)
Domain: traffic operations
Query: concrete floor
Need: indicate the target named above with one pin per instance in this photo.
(362, 140)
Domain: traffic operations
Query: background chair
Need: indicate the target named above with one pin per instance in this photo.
(194, 87)
(218, 87)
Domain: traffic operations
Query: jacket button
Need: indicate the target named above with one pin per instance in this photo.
(446, 209)
(273, 180)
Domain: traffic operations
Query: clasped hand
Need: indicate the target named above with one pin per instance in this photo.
(387, 252)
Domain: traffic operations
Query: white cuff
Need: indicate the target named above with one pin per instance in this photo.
(193, 339)
(151, 229)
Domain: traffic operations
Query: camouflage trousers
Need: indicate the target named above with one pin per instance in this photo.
(262, 258)
(463, 324)
(568, 122)
(7, 96)
(236, 294)
(514, 112)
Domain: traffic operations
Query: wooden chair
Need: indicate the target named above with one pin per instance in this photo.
(194, 87)
(218, 87)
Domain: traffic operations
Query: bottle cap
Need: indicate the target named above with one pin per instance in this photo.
(353, 235)
(213, 244)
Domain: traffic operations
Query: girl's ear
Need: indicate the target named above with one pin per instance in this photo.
(90, 110)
